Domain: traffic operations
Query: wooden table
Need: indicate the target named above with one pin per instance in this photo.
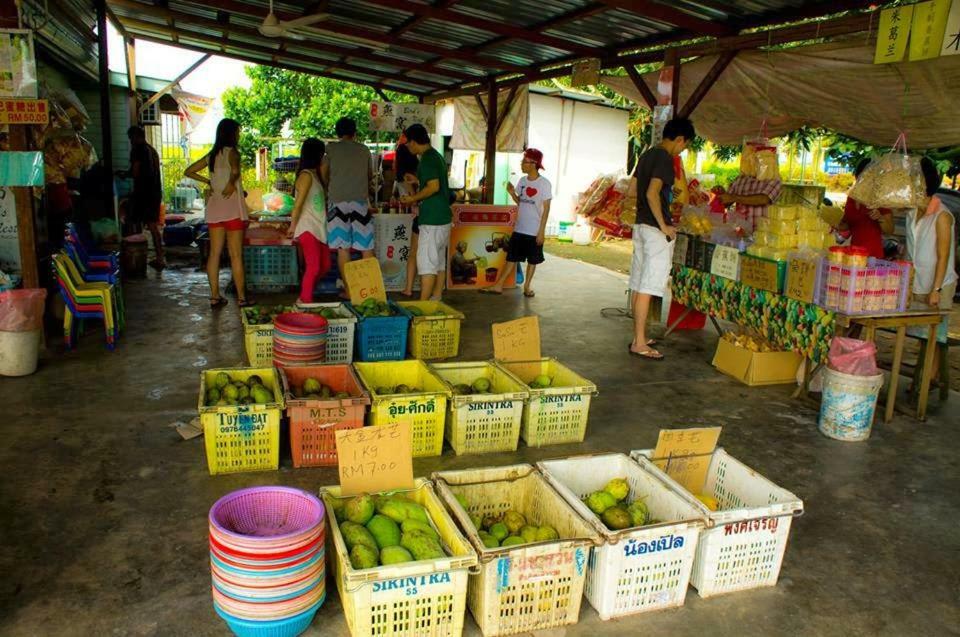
(868, 324)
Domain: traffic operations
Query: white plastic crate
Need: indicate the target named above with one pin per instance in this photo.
(743, 545)
(641, 568)
(426, 597)
(523, 588)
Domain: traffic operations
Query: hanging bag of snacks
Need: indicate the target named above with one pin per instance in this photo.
(893, 181)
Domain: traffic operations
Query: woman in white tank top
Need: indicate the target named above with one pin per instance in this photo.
(226, 209)
(308, 224)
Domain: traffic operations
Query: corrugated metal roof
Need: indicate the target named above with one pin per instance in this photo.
(478, 45)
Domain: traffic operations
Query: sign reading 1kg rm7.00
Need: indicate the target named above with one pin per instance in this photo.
(374, 459)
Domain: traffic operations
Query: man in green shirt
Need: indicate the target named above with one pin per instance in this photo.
(434, 217)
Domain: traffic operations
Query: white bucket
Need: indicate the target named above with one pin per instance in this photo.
(848, 403)
(19, 352)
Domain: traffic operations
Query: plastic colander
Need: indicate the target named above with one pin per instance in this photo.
(277, 513)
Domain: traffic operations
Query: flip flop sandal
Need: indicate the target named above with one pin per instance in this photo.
(490, 291)
(217, 303)
(650, 354)
(529, 295)
(245, 303)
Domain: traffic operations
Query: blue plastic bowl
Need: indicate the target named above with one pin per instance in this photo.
(289, 627)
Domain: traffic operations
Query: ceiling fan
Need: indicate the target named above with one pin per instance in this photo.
(275, 28)
(298, 28)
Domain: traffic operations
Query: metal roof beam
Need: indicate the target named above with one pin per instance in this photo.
(565, 18)
(358, 54)
(503, 28)
(139, 26)
(483, 63)
(417, 19)
(279, 65)
(670, 15)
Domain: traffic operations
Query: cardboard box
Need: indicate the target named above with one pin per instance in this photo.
(756, 368)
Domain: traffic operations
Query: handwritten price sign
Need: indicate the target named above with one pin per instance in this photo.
(364, 280)
(685, 454)
(726, 262)
(762, 274)
(680, 249)
(518, 340)
(801, 280)
(372, 459)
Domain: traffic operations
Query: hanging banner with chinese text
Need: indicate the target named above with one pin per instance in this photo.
(929, 24)
(951, 36)
(392, 238)
(391, 117)
(892, 35)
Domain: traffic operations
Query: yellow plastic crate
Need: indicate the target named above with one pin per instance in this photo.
(258, 341)
(526, 588)
(242, 437)
(433, 337)
(488, 422)
(425, 411)
(558, 414)
(427, 597)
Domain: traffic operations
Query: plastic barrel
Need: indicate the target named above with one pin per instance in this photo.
(19, 352)
(848, 403)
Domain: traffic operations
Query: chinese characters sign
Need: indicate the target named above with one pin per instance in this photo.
(685, 455)
(23, 111)
(926, 34)
(372, 459)
(391, 117)
(892, 34)
(726, 262)
(364, 280)
(951, 37)
(393, 233)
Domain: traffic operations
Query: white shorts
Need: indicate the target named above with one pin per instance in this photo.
(432, 249)
(652, 260)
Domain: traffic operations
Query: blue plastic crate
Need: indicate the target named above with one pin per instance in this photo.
(271, 267)
(381, 338)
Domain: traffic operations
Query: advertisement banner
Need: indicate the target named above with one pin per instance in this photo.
(478, 245)
(392, 237)
(392, 117)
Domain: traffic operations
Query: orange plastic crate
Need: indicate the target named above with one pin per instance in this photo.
(313, 423)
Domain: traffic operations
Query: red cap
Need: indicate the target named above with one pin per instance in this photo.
(534, 155)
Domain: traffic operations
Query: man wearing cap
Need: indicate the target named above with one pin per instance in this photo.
(532, 195)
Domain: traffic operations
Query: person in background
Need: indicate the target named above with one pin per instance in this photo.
(752, 197)
(931, 248)
(866, 226)
(347, 170)
(532, 194)
(308, 222)
(653, 234)
(435, 215)
(147, 195)
(226, 210)
(405, 164)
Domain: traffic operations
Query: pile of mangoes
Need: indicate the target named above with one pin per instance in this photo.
(416, 311)
(313, 389)
(225, 391)
(479, 386)
(610, 504)
(507, 529)
(542, 381)
(266, 314)
(402, 388)
(371, 307)
(386, 529)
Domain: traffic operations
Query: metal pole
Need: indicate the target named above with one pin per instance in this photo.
(490, 148)
(106, 154)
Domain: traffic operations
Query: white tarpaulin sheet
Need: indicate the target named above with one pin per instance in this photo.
(834, 85)
(470, 125)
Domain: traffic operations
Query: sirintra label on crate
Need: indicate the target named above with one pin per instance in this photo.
(411, 585)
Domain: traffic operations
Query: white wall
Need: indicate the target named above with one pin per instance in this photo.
(579, 141)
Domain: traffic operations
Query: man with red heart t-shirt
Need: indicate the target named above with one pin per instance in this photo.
(532, 195)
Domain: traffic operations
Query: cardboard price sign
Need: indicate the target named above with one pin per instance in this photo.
(685, 454)
(364, 280)
(725, 262)
(758, 273)
(518, 340)
(801, 280)
(23, 111)
(374, 459)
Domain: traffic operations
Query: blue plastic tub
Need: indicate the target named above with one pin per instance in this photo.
(382, 338)
(289, 627)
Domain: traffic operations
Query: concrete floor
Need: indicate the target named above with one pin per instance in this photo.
(103, 507)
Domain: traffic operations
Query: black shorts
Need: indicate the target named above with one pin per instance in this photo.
(523, 247)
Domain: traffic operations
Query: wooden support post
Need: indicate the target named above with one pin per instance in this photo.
(106, 154)
(382, 95)
(23, 199)
(490, 148)
(133, 107)
(672, 58)
(511, 98)
(707, 83)
(648, 97)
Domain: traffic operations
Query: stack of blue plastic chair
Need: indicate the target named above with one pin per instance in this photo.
(91, 274)
(84, 301)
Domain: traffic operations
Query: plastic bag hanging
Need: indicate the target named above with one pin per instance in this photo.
(893, 181)
(758, 157)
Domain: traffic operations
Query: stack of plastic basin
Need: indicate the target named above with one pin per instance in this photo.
(267, 560)
(299, 338)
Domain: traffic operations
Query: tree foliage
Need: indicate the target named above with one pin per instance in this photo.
(310, 104)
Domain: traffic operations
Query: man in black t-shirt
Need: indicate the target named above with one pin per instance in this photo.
(144, 203)
(653, 234)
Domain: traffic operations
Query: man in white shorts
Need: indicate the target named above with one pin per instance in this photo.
(653, 234)
(434, 216)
